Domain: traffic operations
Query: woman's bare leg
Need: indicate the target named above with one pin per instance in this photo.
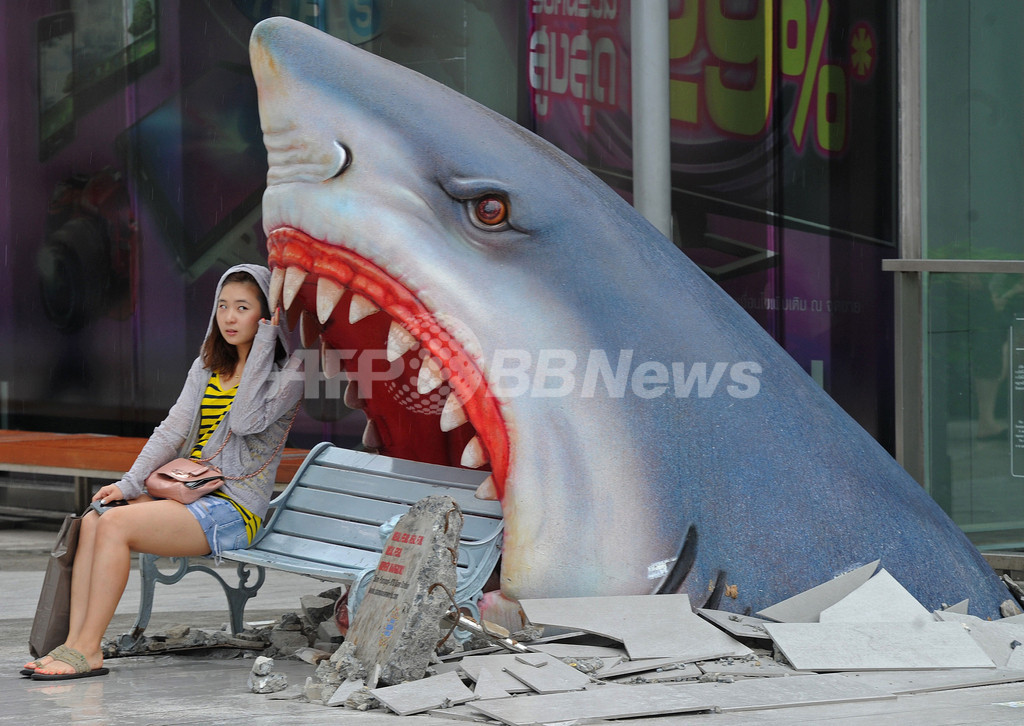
(163, 528)
(81, 574)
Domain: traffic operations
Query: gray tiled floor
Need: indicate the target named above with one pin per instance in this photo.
(180, 689)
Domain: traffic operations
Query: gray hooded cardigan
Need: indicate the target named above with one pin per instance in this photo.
(258, 419)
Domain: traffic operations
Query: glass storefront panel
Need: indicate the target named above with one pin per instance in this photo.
(972, 126)
(975, 394)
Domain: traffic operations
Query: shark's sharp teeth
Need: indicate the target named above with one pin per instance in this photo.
(352, 399)
(276, 286)
(371, 437)
(487, 490)
(429, 377)
(293, 280)
(360, 308)
(328, 293)
(330, 361)
(452, 415)
(474, 456)
(400, 341)
(309, 330)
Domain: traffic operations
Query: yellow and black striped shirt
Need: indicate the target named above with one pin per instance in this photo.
(214, 407)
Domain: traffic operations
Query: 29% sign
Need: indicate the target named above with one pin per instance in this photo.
(726, 73)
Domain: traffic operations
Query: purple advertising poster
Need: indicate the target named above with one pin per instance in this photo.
(781, 141)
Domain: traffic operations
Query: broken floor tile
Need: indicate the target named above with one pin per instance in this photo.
(909, 682)
(877, 646)
(738, 626)
(805, 607)
(411, 697)
(570, 650)
(460, 713)
(488, 686)
(666, 674)
(640, 665)
(752, 667)
(549, 676)
(616, 701)
(880, 599)
(343, 691)
(472, 665)
(650, 626)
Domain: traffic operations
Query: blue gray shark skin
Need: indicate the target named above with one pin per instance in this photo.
(614, 478)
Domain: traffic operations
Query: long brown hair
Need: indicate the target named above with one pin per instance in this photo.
(219, 355)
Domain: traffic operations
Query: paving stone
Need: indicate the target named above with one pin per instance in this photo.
(488, 686)
(548, 676)
(877, 646)
(572, 650)
(752, 667)
(412, 697)
(398, 623)
(640, 665)
(472, 665)
(738, 626)
(925, 681)
(880, 599)
(805, 607)
(618, 701)
(650, 626)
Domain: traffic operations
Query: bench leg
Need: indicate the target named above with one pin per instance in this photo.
(237, 596)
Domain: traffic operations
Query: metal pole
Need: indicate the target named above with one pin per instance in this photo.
(652, 177)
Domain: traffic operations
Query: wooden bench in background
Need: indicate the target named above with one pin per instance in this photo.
(83, 457)
(331, 523)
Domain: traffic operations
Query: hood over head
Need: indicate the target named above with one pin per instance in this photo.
(262, 276)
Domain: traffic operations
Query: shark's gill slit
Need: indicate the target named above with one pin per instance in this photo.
(436, 407)
(683, 564)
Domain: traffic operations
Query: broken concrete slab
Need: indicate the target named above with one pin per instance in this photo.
(738, 626)
(649, 626)
(805, 607)
(960, 607)
(877, 646)
(398, 623)
(549, 675)
(880, 599)
(412, 697)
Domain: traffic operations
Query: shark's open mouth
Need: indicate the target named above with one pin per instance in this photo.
(414, 374)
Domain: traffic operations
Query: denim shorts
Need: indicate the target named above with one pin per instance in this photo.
(221, 522)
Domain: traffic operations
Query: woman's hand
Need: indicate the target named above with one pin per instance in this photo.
(108, 493)
(275, 319)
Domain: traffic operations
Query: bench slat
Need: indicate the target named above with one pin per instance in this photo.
(359, 509)
(367, 485)
(399, 468)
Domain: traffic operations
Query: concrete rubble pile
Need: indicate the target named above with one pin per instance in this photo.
(313, 628)
(859, 637)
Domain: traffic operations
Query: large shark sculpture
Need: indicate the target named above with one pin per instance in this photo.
(644, 434)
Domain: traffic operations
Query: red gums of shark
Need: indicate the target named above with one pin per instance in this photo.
(404, 433)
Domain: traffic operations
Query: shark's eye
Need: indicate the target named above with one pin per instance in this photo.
(489, 212)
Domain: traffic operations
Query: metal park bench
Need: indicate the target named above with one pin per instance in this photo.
(327, 524)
